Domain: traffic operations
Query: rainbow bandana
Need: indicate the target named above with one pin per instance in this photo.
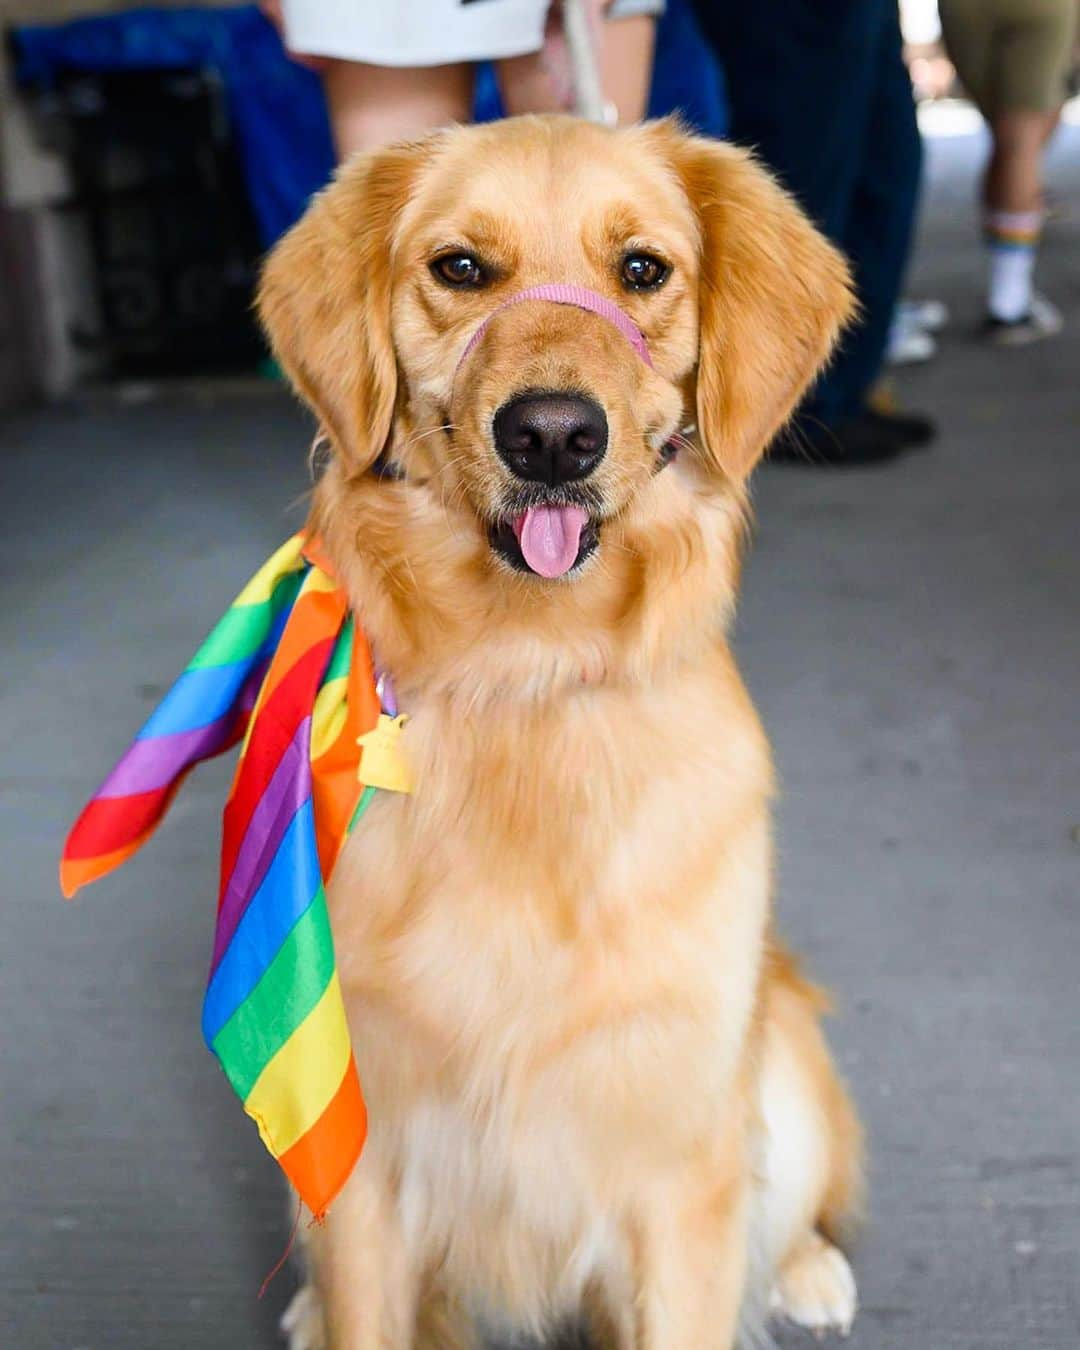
(288, 673)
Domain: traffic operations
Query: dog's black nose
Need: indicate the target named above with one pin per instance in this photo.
(551, 438)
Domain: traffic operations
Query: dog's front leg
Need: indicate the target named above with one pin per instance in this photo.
(690, 1260)
(362, 1270)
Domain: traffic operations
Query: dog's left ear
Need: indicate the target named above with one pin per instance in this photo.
(774, 295)
(324, 299)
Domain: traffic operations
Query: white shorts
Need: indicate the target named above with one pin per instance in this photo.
(425, 32)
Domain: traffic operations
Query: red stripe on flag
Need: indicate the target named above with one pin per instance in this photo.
(275, 726)
(78, 872)
(109, 826)
(109, 823)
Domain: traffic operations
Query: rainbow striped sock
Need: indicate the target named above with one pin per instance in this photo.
(1012, 240)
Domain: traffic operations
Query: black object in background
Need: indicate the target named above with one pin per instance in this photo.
(173, 237)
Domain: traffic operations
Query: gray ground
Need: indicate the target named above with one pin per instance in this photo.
(912, 638)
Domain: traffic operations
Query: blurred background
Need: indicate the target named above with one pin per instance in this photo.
(910, 625)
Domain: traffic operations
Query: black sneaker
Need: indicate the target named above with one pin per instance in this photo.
(1042, 320)
(911, 429)
(854, 442)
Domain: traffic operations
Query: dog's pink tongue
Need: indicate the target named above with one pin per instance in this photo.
(550, 537)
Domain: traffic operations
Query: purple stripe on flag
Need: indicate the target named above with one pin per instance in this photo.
(249, 693)
(158, 760)
(286, 792)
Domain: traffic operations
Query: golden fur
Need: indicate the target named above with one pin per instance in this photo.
(580, 1048)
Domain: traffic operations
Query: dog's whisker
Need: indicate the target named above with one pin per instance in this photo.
(302, 498)
(680, 441)
(457, 489)
(418, 436)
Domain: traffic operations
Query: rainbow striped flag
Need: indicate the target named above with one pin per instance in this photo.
(289, 674)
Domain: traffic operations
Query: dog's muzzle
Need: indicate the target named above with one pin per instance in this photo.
(552, 439)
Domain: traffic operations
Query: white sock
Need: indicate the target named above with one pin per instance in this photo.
(1012, 239)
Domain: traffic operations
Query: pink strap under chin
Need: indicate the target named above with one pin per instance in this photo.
(562, 293)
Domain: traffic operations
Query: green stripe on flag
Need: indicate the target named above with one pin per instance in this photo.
(366, 798)
(289, 988)
(243, 629)
(339, 662)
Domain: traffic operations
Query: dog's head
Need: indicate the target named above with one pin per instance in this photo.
(536, 456)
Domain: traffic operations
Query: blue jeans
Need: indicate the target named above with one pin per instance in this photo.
(819, 89)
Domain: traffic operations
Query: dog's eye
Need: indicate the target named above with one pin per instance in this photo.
(458, 269)
(643, 272)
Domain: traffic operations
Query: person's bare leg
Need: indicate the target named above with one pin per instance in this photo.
(626, 63)
(1014, 174)
(1051, 122)
(626, 57)
(1013, 201)
(372, 106)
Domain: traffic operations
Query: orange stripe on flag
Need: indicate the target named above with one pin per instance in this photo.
(320, 1161)
(334, 782)
(78, 872)
(318, 612)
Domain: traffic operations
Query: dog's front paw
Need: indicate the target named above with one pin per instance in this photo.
(302, 1324)
(816, 1289)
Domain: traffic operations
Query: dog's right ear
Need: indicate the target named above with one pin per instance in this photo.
(774, 295)
(324, 300)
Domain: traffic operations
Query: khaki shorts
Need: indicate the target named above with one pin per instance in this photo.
(1011, 55)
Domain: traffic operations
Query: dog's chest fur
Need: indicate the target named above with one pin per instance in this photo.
(550, 954)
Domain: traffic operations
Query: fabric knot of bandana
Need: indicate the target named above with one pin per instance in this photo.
(288, 673)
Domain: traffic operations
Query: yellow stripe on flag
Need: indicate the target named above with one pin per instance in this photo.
(298, 1084)
(328, 715)
(260, 588)
(318, 580)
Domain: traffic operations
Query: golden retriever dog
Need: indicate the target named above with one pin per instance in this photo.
(597, 1087)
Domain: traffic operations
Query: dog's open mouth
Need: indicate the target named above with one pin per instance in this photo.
(548, 540)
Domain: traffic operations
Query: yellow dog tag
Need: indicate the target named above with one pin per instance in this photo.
(383, 763)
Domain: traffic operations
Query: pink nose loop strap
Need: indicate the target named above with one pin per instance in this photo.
(562, 293)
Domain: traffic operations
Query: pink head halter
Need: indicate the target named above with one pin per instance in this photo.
(563, 293)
